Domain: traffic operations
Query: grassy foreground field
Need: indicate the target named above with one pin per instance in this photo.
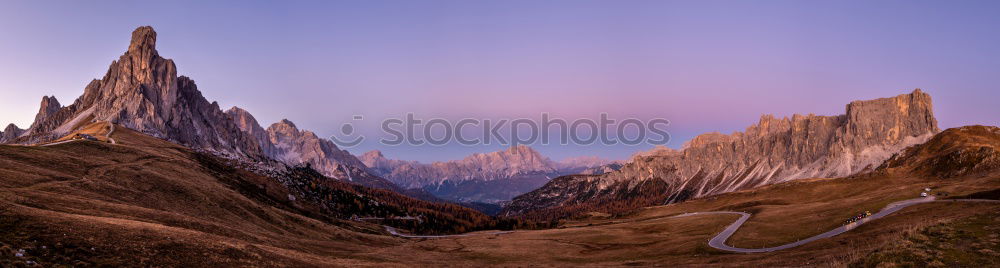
(788, 212)
(146, 202)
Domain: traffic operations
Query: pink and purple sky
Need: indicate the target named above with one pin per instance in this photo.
(704, 65)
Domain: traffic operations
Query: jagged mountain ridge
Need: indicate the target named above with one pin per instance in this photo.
(285, 142)
(771, 151)
(482, 177)
(513, 161)
(143, 92)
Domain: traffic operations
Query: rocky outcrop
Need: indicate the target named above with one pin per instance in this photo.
(11, 132)
(771, 151)
(48, 107)
(292, 145)
(142, 91)
(247, 123)
(283, 141)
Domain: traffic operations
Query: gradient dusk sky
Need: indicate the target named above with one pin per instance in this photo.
(704, 65)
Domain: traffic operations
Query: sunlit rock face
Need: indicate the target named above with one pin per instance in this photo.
(771, 151)
(142, 91)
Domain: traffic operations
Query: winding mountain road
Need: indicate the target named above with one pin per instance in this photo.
(719, 241)
(57, 143)
(111, 131)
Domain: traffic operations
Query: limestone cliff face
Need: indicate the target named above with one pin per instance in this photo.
(771, 151)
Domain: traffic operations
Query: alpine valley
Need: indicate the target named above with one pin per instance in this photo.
(141, 170)
(484, 178)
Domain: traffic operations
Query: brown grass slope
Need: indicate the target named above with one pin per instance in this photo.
(150, 202)
(969, 150)
(782, 213)
(98, 131)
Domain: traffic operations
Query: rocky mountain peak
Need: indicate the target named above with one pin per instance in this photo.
(373, 154)
(243, 119)
(248, 124)
(11, 132)
(286, 124)
(521, 149)
(515, 159)
(50, 103)
(143, 41)
(48, 107)
(142, 91)
(282, 129)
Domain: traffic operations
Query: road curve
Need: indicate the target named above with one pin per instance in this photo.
(719, 241)
(111, 131)
(57, 143)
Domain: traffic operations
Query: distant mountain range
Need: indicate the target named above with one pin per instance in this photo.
(773, 150)
(483, 177)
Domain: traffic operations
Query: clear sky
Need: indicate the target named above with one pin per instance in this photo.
(704, 65)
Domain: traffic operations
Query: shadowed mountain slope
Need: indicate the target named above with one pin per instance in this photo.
(149, 197)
